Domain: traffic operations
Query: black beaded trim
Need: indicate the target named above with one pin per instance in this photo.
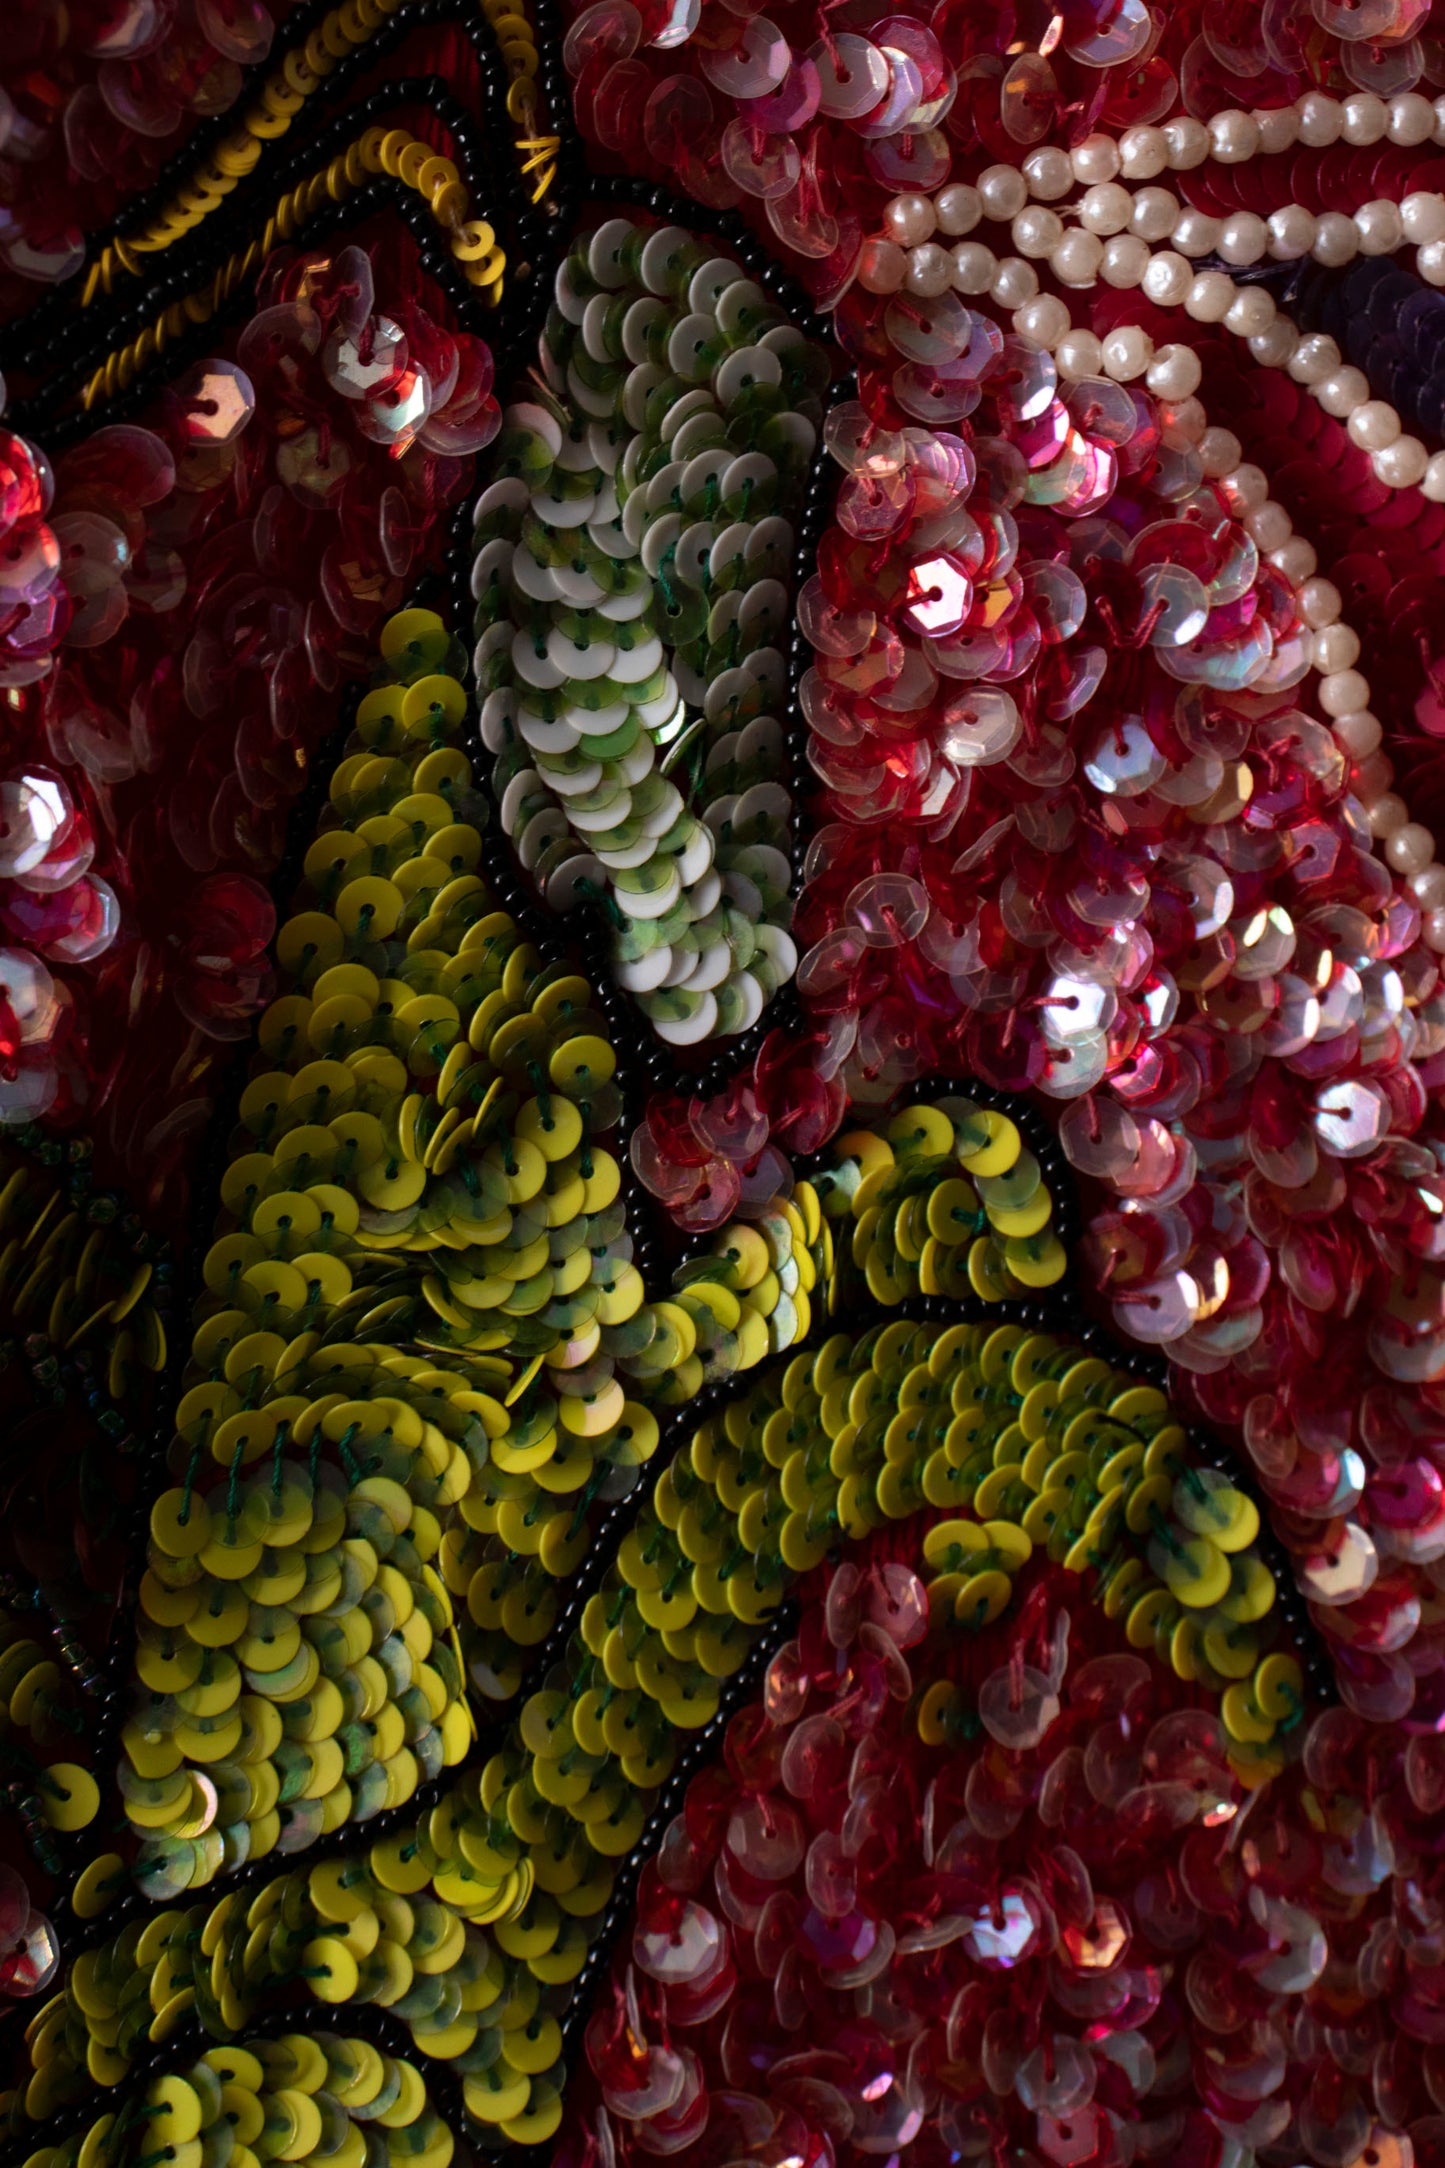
(700, 1749)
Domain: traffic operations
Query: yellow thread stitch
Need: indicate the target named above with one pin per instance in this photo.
(517, 44)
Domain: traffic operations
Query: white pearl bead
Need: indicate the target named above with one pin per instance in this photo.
(1188, 142)
(1247, 487)
(882, 267)
(1278, 129)
(1171, 436)
(1037, 230)
(1274, 348)
(958, 208)
(1079, 353)
(1439, 105)
(1374, 779)
(1269, 528)
(1315, 358)
(1432, 484)
(1432, 932)
(1410, 849)
(1373, 425)
(909, 219)
(1430, 263)
(1401, 465)
(1002, 192)
(1252, 310)
(1168, 278)
(1219, 451)
(1360, 735)
(1197, 234)
(1428, 887)
(1187, 418)
(1143, 152)
(1125, 260)
(1291, 232)
(1076, 260)
(1410, 119)
(973, 267)
(1385, 809)
(1242, 237)
(1044, 321)
(1342, 691)
(1049, 173)
(1095, 159)
(1105, 208)
(1175, 372)
(1365, 118)
(1155, 214)
(1344, 727)
(1336, 647)
(1233, 137)
(1014, 283)
(1320, 119)
(1295, 560)
(1422, 215)
(1320, 602)
(930, 270)
(1337, 239)
(1341, 393)
(1379, 227)
(1127, 352)
(1210, 297)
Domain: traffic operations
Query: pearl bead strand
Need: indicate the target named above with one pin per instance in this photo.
(1116, 226)
(910, 260)
(1314, 120)
(1173, 373)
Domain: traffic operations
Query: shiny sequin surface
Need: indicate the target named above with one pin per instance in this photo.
(722, 1311)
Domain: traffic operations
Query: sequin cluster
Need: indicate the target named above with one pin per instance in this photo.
(220, 571)
(50, 901)
(91, 100)
(632, 591)
(885, 1426)
(421, 1148)
(1064, 633)
(452, 1931)
(1039, 1842)
(297, 2096)
(1003, 1892)
(295, 1653)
